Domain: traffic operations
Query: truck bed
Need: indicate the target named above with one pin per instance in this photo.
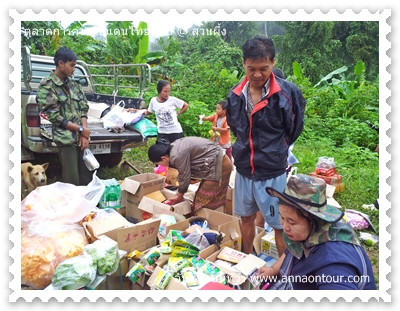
(98, 132)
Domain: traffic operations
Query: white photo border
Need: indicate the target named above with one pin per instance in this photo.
(300, 15)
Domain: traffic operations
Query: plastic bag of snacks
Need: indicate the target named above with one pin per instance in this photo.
(197, 237)
(162, 280)
(369, 239)
(136, 272)
(358, 220)
(325, 166)
(44, 245)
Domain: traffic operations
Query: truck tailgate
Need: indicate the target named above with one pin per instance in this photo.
(98, 132)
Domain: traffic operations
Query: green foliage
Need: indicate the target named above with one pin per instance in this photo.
(206, 82)
(341, 131)
(33, 36)
(359, 41)
(167, 62)
(310, 44)
(143, 43)
(236, 32)
(122, 42)
(211, 49)
(190, 119)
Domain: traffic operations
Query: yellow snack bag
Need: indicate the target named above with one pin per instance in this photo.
(162, 280)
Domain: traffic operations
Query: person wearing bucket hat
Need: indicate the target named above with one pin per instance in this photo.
(322, 249)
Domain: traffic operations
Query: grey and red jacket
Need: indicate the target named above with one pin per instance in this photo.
(262, 141)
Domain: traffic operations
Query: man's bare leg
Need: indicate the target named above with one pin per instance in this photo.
(248, 229)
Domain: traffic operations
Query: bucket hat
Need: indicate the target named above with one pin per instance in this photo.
(308, 193)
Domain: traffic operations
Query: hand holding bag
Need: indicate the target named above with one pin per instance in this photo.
(90, 160)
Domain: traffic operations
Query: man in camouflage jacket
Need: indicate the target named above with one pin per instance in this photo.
(64, 104)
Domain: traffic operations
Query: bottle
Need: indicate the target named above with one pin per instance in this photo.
(119, 195)
(103, 199)
(112, 198)
(114, 195)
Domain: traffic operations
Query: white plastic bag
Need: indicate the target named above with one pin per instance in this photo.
(197, 238)
(61, 201)
(74, 273)
(90, 160)
(114, 118)
(104, 252)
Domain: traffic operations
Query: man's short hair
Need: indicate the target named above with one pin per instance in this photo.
(258, 47)
(64, 54)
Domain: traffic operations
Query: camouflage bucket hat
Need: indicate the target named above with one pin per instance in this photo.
(309, 194)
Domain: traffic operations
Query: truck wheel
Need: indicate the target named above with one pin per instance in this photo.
(109, 160)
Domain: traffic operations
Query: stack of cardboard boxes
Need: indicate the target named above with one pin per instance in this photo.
(135, 232)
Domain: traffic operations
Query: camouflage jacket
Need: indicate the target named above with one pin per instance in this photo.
(62, 102)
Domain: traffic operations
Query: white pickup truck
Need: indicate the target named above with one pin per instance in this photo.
(36, 134)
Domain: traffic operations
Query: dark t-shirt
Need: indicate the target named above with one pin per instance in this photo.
(332, 265)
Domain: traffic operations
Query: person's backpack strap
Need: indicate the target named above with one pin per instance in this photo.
(364, 275)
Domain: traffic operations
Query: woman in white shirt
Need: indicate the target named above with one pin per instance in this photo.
(165, 107)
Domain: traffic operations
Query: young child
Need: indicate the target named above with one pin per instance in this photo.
(221, 132)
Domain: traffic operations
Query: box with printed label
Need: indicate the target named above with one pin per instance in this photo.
(268, 245)
(141, 236)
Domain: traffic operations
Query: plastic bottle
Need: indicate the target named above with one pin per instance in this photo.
(119, 195)
(103, 199)
(112, 197)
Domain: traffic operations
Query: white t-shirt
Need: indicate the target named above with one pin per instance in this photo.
(166, 114)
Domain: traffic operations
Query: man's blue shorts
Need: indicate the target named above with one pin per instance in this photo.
(250, 196)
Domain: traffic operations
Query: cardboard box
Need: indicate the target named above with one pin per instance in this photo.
(128, 236)
(268, 245)
(117, 280)
(96, 109)
(99, 283)
(234, 278)
(227, 224)
(147, 204)
(229, 201)
(238, 274)
(257, 244)
(134, 188)
(141, 284)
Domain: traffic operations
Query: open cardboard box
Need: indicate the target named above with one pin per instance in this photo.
(134, 188)
(182, 208)
(238, 275)
(235, 278)
(128, 236)
(141, 236)
(141, 283)
(226, 224)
